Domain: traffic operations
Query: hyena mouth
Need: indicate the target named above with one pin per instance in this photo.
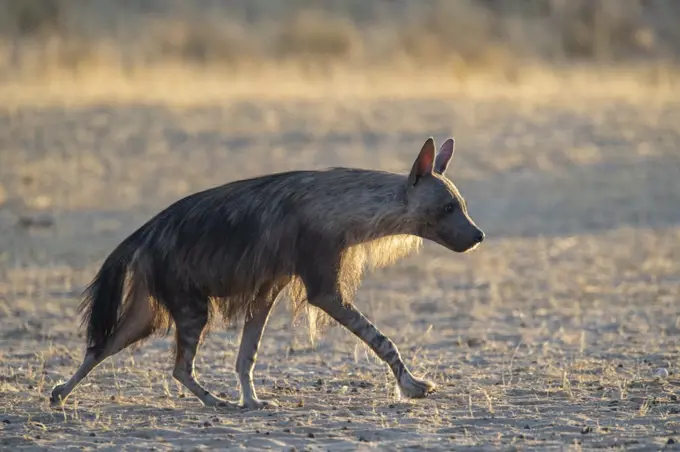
(469, 248)
(473, 247)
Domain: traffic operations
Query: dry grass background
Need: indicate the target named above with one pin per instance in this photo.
(549, 337)
(75, 50)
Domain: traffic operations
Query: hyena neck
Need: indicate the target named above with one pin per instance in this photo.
(378, 209)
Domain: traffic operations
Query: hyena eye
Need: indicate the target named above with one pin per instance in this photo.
(450, 207)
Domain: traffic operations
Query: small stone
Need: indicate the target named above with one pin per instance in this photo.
(661, 373)
(474, 342)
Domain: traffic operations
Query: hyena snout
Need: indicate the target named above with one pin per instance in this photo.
(463, 236)
(471, 239)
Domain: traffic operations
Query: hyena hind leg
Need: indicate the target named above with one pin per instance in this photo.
(135, 325)
(189, 324)
(253, 327)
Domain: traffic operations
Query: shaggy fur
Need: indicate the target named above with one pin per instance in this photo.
(231, 250)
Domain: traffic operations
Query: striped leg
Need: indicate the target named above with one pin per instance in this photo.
(348, 316)
(245, 361)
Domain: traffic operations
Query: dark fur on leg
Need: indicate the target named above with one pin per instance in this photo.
(190, 322)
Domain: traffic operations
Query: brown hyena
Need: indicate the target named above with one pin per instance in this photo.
(234, 248)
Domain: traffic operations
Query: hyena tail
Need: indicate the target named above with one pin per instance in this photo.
(103, 299)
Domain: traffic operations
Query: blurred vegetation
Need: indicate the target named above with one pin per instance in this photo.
(37, 36)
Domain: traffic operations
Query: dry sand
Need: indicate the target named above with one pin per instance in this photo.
(546, 338)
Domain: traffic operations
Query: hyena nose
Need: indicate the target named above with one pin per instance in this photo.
(479, 238)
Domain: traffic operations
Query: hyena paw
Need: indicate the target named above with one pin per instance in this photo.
(57, 398)
(215, 402)
(416, 389)
(258, 404)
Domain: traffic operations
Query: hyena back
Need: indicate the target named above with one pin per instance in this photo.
(234, 248)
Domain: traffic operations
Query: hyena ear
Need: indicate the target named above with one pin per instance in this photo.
(423, 164)
(441, 162)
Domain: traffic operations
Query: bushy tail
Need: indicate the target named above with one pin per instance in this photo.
(103, 298)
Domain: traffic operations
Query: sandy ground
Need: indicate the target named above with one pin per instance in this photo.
(548, 337)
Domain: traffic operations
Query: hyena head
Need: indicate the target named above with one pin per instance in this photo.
(435, 206)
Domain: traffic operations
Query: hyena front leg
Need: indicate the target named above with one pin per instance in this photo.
(347, 315)
(254, 325)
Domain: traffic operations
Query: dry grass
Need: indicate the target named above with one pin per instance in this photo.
(57, 52)
(182, 86)
(547, 337)
(39, 37)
